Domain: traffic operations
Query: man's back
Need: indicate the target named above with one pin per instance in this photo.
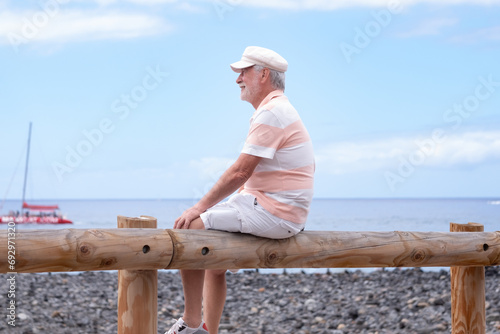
(283, 180)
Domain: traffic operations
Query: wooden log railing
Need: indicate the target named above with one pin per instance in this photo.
(138, 252)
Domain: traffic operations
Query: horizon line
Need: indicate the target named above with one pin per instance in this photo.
(197, 199)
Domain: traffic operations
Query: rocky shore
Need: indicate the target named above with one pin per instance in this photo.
(393, 301)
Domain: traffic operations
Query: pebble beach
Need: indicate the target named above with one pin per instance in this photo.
(381, 301)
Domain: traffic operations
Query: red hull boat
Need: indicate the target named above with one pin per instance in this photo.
(34, 214)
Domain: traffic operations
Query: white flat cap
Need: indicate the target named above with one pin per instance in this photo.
(255, 55)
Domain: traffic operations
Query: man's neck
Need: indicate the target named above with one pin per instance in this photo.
(261, 97)
(268, 97)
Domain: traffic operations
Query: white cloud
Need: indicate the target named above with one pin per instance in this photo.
(430, 27)
(339, 4)
(308, 4)
(305, 4)
(453, 151)
(77, 25)
(139, 2)
(471, 148)
(105, 2)
(481, 35)
(187, 7)
(152, 2)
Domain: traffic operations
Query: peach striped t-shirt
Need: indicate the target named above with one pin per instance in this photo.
(283, 180)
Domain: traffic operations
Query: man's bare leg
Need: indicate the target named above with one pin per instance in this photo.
(214, 298)
(192, 283)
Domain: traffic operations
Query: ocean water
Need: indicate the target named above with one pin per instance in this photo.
(325, 214)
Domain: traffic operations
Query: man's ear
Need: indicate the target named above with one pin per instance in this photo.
(264, 74)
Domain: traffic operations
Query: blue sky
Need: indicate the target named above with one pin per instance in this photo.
(135, 99)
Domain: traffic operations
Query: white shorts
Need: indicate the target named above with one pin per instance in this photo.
(242, 213)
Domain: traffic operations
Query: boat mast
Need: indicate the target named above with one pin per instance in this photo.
(26, 168)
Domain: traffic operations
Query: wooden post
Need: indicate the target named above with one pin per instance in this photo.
(468, 292)
(137, 290)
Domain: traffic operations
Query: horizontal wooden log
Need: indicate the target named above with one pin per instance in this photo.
(58, 250)
(112, 249)
(321, 249)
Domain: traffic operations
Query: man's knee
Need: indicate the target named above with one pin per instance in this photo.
(197, 224)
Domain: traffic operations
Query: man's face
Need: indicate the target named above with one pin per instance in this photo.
(248, 80)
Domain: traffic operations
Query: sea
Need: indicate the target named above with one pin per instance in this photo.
(415, 214)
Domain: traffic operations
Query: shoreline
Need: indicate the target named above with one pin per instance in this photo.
(380, 301)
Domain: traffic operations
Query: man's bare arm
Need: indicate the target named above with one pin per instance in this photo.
(232, 179)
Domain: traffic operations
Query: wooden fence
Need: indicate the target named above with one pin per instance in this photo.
(137, 249)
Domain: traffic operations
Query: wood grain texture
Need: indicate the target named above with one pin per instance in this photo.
(83, 250)
(467, 292)
(137, 290)
(123, 248)
(322, 249)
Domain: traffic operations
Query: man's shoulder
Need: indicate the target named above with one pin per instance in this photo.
(280, 100)
(282, 110)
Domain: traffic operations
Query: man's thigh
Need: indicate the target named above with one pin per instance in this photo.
(242, 213)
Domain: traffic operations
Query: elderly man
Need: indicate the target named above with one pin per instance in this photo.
(274, 175)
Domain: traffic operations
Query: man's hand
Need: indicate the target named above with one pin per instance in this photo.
(187, 217)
